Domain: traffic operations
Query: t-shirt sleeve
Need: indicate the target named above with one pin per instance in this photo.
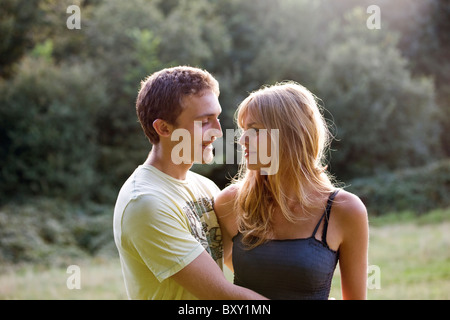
(158, 234)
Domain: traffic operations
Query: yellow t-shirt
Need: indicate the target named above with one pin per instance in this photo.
(161, 224)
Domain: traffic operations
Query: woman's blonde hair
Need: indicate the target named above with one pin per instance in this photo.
(303, 139)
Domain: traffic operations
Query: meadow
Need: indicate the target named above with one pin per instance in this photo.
(69, 136)
(411, 256)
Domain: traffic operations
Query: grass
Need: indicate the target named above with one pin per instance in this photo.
(413, 256)
(100, 279)
(413, 260)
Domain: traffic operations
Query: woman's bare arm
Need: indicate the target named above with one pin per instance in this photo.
(353, 250)
(224, 208)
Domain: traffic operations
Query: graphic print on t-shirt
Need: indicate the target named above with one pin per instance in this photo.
(204, 226)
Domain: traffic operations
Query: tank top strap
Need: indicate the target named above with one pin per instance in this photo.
(327, 216)
(317, 226)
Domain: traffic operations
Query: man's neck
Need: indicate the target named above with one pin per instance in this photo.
(163, 162)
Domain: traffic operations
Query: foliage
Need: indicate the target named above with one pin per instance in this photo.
(48, 130)
(16, 18)
(385, 119)
(417, 190)
(68, 126)
(51, 232)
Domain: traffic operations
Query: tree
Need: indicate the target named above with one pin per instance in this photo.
(48, 136)
(16, 19)
(385, 118)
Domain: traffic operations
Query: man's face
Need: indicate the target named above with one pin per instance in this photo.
(197, 127)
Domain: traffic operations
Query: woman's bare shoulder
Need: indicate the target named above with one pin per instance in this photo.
(349, 207)
(225, 209)
(225, 200)
(227, 195)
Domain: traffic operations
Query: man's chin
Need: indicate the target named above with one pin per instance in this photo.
(206, 159)
(204, 155)
(207, 154)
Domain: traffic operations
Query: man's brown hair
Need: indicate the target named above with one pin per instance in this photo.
(161, 94)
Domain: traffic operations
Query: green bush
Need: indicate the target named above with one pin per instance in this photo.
(68, 126)
(418, 190)
(47, 131)
(52, 232)
(385, 118)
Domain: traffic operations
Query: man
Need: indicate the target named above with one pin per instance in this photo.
(165, 227)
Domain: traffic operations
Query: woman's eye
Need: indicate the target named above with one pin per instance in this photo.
(253, 131)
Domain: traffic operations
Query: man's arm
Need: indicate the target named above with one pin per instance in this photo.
(204, 279)
(161, 239)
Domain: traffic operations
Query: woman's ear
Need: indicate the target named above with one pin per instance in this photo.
(162, 128)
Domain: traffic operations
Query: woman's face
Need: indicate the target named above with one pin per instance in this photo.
(260, 146)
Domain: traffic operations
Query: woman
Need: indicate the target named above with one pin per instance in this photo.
(284, 230)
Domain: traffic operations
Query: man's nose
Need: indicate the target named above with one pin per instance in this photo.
(218, 127)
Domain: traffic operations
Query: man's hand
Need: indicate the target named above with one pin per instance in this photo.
(204, 279)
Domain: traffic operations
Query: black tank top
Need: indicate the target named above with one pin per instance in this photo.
(288, 269)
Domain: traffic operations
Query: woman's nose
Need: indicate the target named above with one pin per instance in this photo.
(243, 140)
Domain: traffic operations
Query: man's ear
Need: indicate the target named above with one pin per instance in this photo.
(162, 128)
